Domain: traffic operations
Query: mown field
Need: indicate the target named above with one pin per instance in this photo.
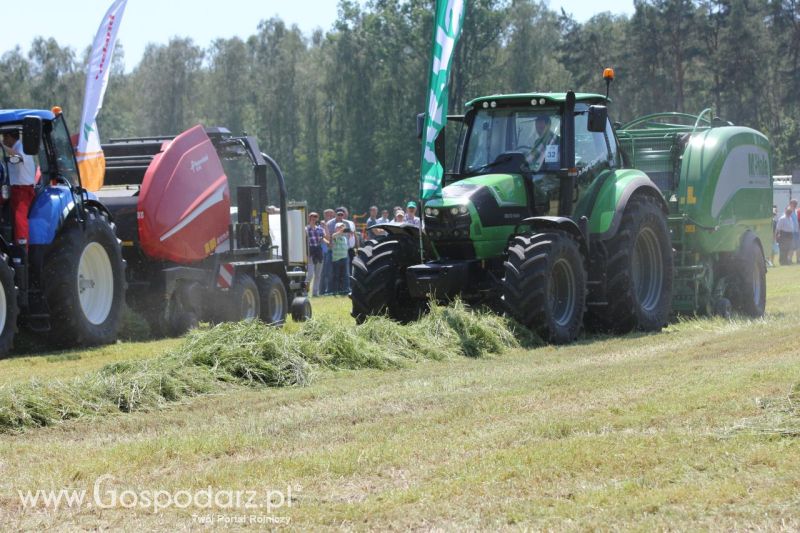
(695, 427)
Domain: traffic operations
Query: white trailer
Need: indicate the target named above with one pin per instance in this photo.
(783, 191)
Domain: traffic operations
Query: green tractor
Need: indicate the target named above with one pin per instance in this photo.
(547, 216)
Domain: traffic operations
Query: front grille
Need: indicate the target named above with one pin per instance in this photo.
(450, 234)
(446, 226)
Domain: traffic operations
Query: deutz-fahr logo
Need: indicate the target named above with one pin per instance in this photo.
(757, 164)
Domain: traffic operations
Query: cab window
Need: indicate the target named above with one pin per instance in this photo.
(590, 147)
(62, 153)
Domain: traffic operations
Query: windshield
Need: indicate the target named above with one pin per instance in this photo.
(534, 133)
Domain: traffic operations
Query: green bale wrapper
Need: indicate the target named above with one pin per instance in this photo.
(717, 180)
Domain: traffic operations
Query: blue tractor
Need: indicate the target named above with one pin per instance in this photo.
(67, 282)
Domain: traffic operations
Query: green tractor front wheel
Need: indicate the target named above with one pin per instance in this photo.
(378, 285)
(544, 287)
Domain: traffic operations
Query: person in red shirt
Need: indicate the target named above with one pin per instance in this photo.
(22, 177)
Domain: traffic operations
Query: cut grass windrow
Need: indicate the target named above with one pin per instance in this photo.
(253, 354)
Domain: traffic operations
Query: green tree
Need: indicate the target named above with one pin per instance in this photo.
(167, 81)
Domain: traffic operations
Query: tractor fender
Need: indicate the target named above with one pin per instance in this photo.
(613, 197)
(565, 224)
(50, 209)
(93, 202)
(411, 231)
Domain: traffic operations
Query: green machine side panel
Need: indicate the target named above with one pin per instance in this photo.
(726, 188)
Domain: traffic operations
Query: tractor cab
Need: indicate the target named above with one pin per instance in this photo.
(518, 157)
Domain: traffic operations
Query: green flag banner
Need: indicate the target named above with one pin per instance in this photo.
(449, 19)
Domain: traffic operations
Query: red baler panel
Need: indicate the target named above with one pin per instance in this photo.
(184, 202)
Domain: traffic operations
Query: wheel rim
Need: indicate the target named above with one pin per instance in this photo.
(249, 305)
(757, 283)
(275, 306)
(95, 283)
(561, 292)
(648, 269)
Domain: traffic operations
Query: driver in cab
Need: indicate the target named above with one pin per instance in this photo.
(545, 137)
(22, 176)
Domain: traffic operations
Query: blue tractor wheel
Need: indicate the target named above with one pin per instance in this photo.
(8, 307)
(84, 282)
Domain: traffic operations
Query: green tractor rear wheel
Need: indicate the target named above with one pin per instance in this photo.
(639, 272)
(544, 287)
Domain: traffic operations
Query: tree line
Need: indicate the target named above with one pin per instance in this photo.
(336, 107)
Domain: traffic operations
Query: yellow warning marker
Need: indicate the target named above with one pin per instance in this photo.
(690, 197)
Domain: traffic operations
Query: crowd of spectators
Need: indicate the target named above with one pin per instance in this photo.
(333, 241)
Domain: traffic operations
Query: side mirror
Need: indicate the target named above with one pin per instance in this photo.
(31, 135)
(598, 117)
(420, 124)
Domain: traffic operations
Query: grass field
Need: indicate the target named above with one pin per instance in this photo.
(694, 427)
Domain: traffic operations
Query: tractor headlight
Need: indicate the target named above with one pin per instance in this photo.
(463, 210)
(428, 211)
(435, 212)
(453, 210)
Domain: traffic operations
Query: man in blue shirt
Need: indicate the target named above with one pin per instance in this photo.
(371, 221)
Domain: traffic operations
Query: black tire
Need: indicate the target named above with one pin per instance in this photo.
(723, 308)
(242, 302)
(84, 257)
(639, 287)
(378, 284)
(8, 307)
(274, 301)
(544, 287)
(301, 309)
(184, 309)
(748, 288)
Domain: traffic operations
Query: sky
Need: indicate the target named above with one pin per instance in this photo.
(145, 21)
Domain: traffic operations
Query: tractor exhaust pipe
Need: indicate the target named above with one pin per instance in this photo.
(568, 171)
